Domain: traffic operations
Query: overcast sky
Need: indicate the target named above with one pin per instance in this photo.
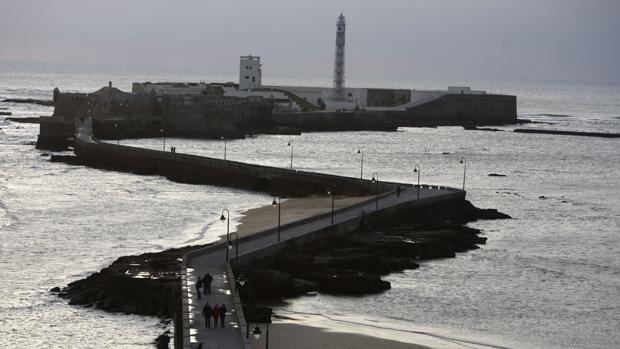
(388, 39)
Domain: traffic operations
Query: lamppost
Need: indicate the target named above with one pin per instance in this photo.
(274, 203)
(417, 169)
(242, 280)
(257, 332)
(464, 162)
(116, 131)
(361, 151)
(290, 144)
(229, 245)
(222, 219)
(224, 139)
(161, 130)
(331, 192)
(377, 182)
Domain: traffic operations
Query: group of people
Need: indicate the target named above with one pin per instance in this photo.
(209, 311)
(205, 283)
(214, 311)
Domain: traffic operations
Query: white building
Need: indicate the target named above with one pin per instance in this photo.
(250, 73)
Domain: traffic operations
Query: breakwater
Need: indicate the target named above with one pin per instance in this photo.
(389, 207)
(202, 170)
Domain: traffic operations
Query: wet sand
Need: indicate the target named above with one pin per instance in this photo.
(289, 335)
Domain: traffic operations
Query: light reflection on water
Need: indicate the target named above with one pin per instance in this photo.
(548, 278)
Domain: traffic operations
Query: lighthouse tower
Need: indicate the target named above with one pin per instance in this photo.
(339, 93)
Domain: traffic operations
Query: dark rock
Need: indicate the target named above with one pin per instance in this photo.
(44, 102)
(471, 213)
(350, 282)
(163, 340)
(5, 113)
(30, 120)
(569, 133)
(67, 159)
(496, 175)
(147, 284)
(301, 286)
(55, 290)
(542, 197)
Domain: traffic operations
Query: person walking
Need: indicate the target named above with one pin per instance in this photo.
(207, 280)
(206, 313)
(215, 312)
(199, 282)
(222, 314)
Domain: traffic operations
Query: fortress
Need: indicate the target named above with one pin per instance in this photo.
(233, 110)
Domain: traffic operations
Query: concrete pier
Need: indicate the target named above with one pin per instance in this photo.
(387, 205)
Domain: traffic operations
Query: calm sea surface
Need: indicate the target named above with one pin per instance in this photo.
(547, 278)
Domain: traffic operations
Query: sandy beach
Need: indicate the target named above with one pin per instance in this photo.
(289, 335)
(266, 217)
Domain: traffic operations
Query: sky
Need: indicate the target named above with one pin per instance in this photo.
(563, 40)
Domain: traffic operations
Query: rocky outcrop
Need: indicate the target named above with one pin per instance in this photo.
(29, 120)
(353, 264)
(147, 284)
(568, 133)
(44, 102)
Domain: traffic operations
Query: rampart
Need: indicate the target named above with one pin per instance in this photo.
(461, 109)
(203, 170)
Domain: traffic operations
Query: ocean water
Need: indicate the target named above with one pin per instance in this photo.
(547, 278)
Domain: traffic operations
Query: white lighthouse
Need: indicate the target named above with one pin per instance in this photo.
(250, 72)
(339, 94)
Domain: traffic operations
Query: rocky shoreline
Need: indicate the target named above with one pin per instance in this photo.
(149, 284)
(353, 265)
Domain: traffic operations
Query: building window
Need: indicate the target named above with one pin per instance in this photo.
(247, 77)
(350, 94)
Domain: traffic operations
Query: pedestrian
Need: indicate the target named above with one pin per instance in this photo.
(199, 346)
(206, 313)
(215, 312)
(198, 284)
(222, 314)
(207, 280)
(398, 191)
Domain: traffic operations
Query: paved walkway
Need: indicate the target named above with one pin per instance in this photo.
(213, 262)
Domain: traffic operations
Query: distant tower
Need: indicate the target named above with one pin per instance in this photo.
(250, 73)
(339, 60)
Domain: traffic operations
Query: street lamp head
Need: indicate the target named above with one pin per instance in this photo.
(373, 179)
(289, 143)
(274, 203)
(415, 169)
(222, 138)
(241, 280)
(257, 332)
(229, 245)
(161, 130)
(222, 218)
(359, 151)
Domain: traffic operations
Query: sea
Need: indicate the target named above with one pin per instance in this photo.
(548, 278)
